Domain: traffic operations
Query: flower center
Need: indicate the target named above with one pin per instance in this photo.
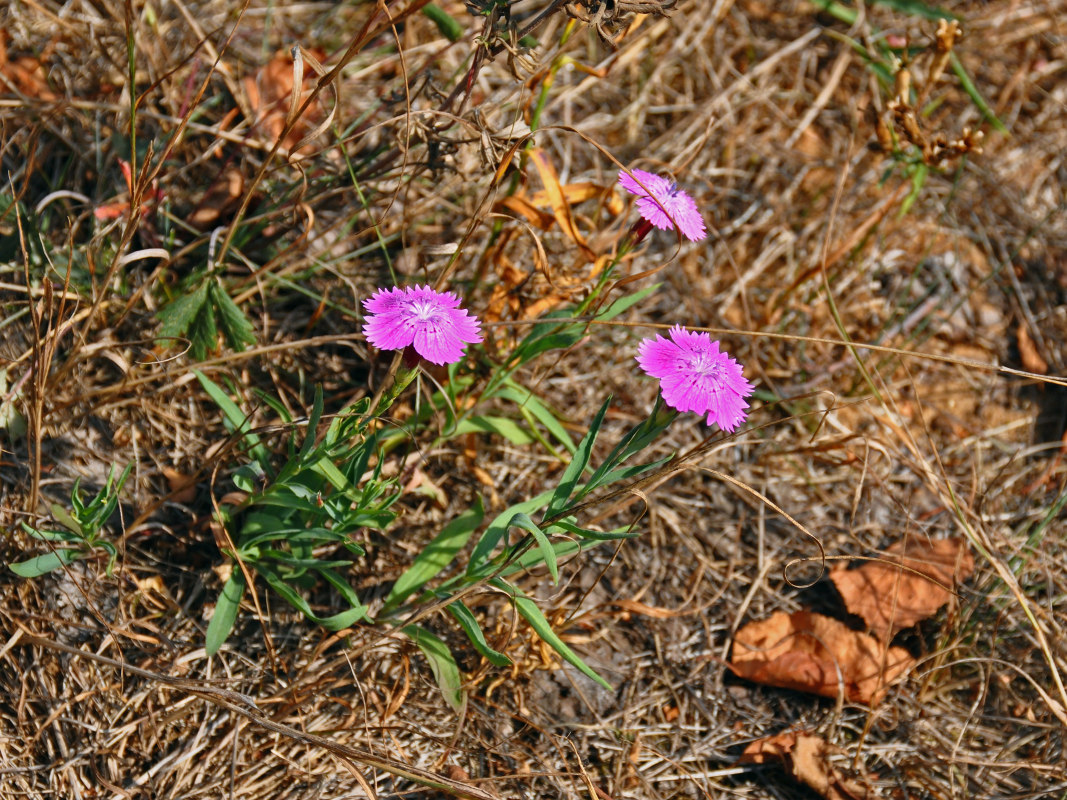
(705, 365)
(423, 311)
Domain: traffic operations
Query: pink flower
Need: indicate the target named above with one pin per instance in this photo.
(695, 376)
(417, 316)
(662, 203)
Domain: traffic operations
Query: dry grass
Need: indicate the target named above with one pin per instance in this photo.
(764, 112)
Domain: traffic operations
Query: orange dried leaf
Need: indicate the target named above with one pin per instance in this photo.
(25, 73)
(270, 98)
(221, 197)
(807, 757)
(814, 653)
(1028, 352)
(910, 586)
(518, 204)
(580, 192)
(557, 199)
(769, 749)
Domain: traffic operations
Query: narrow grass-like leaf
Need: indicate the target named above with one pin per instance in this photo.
(442, 664)
(624, 303)
(313, 423)
(579, 460)
(437, 555)
(502, 426)
(562, 548)
(499, 527)
(445, 22)
(236, 420)
(336, 622)
(548, 555)
(470, 626)
(43, 564)
(346, 591)
(226, 607)
(976, 96)
(529, 611)
(526, 399)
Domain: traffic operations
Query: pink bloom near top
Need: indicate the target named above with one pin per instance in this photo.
(695, 376)
(417, 316)
(663, 204)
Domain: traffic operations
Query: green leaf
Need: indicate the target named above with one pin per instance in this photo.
(313, 423)
(532, 558)
(499, 527)
(578, 464)
(501, 426)
(918, 178)
(63, 517)
(53, 536)
(470, 626)
(594, 536)
(236, 327)
(526, 399)
(236, 420)
(176, 317)
(529, 611)
(624, 303)
(444, 21)
(43, 564)
(226, 607)
(625, 473)
(974, 94)
(548, 555)
(336, 622)
(203, 335)
(346, 590)
(438, 554)
(442, 664)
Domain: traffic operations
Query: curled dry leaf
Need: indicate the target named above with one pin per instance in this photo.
(24, 74)
(814, 653)
(908, 586)
(807, 757)
(269, 95)
(1028, 352)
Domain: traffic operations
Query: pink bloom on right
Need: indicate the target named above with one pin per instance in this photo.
(695, 376)
(662, 203)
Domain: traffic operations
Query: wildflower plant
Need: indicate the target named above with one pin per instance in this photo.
(328, 490)
(82, 529)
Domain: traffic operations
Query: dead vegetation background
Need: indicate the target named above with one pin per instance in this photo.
(766, 113)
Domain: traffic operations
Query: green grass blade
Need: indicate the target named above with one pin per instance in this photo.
(438, 554)
(442, 664)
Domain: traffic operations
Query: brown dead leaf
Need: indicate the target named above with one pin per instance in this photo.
(269, 96)
(182, 486)
(25, 74)
(580, 192)
(558, 200)
(910, 585)
(814, 653)
(769, 749)
(807, 757)
(221, 197)
(1028, 352)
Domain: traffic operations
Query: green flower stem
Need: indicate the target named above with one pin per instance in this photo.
(404, 376)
